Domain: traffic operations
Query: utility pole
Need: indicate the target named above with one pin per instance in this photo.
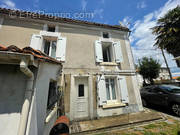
(166, 63)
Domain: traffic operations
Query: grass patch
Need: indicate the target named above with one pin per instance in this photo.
(150, 126)
(158, 128)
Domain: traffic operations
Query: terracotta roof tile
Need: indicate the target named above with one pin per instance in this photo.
(26, 14)
(28, 50)
(175, 77)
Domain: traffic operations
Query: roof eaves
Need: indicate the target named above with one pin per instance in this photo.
(33, 15)
(38, 55)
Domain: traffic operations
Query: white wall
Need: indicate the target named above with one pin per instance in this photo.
(12, 87)
(46, 72)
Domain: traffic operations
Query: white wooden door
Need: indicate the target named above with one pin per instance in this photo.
(81, 102)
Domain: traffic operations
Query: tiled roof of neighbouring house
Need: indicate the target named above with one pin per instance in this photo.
(28, 50)
(33, 15)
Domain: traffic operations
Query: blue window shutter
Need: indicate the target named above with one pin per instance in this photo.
(122, 86)
(102, 90)
(98, 51)
(118, 52)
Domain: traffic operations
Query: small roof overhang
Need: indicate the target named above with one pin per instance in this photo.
(15, 58)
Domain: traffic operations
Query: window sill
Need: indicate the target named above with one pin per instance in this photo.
(50, 34)
(109, 64)
(115, 105)
(106, 39)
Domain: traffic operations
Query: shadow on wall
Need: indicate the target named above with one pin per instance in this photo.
(12, 88)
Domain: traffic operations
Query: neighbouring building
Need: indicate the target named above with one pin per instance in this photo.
(163, 75)
(98, 73)
(28, 99)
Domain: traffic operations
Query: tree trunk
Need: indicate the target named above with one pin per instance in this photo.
(166, 64)
(151, 81)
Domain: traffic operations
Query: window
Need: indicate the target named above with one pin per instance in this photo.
(52, 94)
(107, 52)
(81, 90)
(50, 48)
(110, 88)
(51, 28)
(105, 35)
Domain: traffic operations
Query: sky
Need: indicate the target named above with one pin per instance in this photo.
(138, 15)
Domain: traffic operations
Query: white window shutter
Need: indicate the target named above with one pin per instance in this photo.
(122, 85)
(118, 52)
(45, 27)
(102, 90)
(98, 51)
(57, 28)
(36, 42)
(61, 49)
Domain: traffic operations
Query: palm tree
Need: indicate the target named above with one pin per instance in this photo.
(167, 32)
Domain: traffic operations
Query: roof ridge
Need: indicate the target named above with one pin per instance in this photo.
(28, 14)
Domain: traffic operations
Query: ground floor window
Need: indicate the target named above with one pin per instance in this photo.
(110, 88)
(52, 95)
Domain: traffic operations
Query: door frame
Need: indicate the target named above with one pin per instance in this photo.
(73, 98)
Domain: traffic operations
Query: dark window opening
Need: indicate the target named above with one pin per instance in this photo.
(81, 90)
(107, 52)
(52, 95)
(46, 47)
(105, 35)
(51, 28)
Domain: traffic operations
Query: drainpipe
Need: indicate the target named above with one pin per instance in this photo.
(28, 96)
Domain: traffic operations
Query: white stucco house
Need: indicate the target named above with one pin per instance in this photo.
(98, 74)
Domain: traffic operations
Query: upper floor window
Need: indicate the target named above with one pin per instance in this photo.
(51, 28)
(106, 35)
(51, 45)
(50, 48)
(107, 52)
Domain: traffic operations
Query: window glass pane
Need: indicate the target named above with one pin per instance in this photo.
(113, 89)
(46, 47)
(53, 49)
(105, 35)
(108, 53)
(81, 90)
(107, 89)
